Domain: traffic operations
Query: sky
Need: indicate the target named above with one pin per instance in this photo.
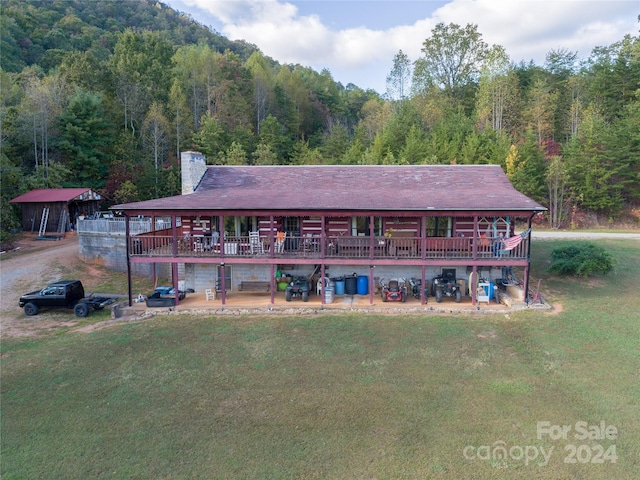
(356, 40)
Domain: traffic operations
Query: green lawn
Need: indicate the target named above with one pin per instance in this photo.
(344, 396)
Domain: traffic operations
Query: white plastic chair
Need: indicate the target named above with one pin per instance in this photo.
(327, 283)
(210, 293)
(256, 245)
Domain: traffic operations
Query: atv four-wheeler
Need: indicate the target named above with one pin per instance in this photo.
(299, 287)
(446, 286)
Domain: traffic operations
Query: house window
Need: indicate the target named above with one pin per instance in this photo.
(439, 226)
(360, 226)
(239, 225)
(292, 226)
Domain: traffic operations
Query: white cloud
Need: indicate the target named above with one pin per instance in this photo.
(528, 29)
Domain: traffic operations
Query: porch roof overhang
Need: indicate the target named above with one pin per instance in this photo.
(350, 190)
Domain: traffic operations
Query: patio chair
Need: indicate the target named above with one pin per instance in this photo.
(255, 243)
(327, 283)
(210, 294)
(279, 246)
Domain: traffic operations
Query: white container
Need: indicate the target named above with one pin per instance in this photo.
(328, 294)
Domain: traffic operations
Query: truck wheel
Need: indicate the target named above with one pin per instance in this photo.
(305, 296)
(287, 295)
(31, 309)
(81, 310)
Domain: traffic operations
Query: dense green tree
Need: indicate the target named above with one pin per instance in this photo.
(447, 137)
(526, 167)
(264, 155)
(140, 67)
(304, 155)
(235, 155)
(614, 75)
(85, 140)
(452, 59)
(354, 154)
(211, 139)
(594, 171)
(414, 151)
(540, 112)
(336, 143)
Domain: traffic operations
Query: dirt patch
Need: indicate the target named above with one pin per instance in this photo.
(556, 308)
(29, 266)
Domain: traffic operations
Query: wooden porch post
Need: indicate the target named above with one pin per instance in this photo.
(527, 268)
(154, 274)
(423, 295)
(127, 236)
(223, 282)
(371, 283)
(323, 237)
(174, 234)
(322, 284)
(423, 238)
(371, 248)
(323, 243)
(273, 283)
(174, 277)
(475, 237)
(472, 286)
(271, 237)
(423, 247)
(221, 240)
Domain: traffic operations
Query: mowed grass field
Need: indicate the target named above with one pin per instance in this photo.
(344, 396)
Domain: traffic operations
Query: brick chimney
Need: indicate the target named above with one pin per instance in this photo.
(193, 166)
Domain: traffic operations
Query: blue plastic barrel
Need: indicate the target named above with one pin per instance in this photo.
(339, 284)
(363, 285)
(490, 290)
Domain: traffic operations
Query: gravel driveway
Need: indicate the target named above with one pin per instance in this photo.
(37, 263)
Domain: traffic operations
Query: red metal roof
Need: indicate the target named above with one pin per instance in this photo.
(48, 195)
(361, 187)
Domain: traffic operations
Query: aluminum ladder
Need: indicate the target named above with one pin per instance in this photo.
(43, 222)
(62, 222)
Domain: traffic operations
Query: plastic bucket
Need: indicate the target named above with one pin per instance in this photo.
(363, 285)
(351, 285)
(328, 294)
(339, 286)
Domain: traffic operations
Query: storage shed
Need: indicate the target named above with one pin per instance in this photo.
(53, 211)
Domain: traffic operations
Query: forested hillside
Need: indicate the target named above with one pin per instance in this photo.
(106, 94)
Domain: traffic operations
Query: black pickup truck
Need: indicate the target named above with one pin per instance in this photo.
(63, 294)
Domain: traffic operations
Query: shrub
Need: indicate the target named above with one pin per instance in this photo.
(581, 259)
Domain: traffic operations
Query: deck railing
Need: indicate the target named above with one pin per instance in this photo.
(117, 225)
(334, 247)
